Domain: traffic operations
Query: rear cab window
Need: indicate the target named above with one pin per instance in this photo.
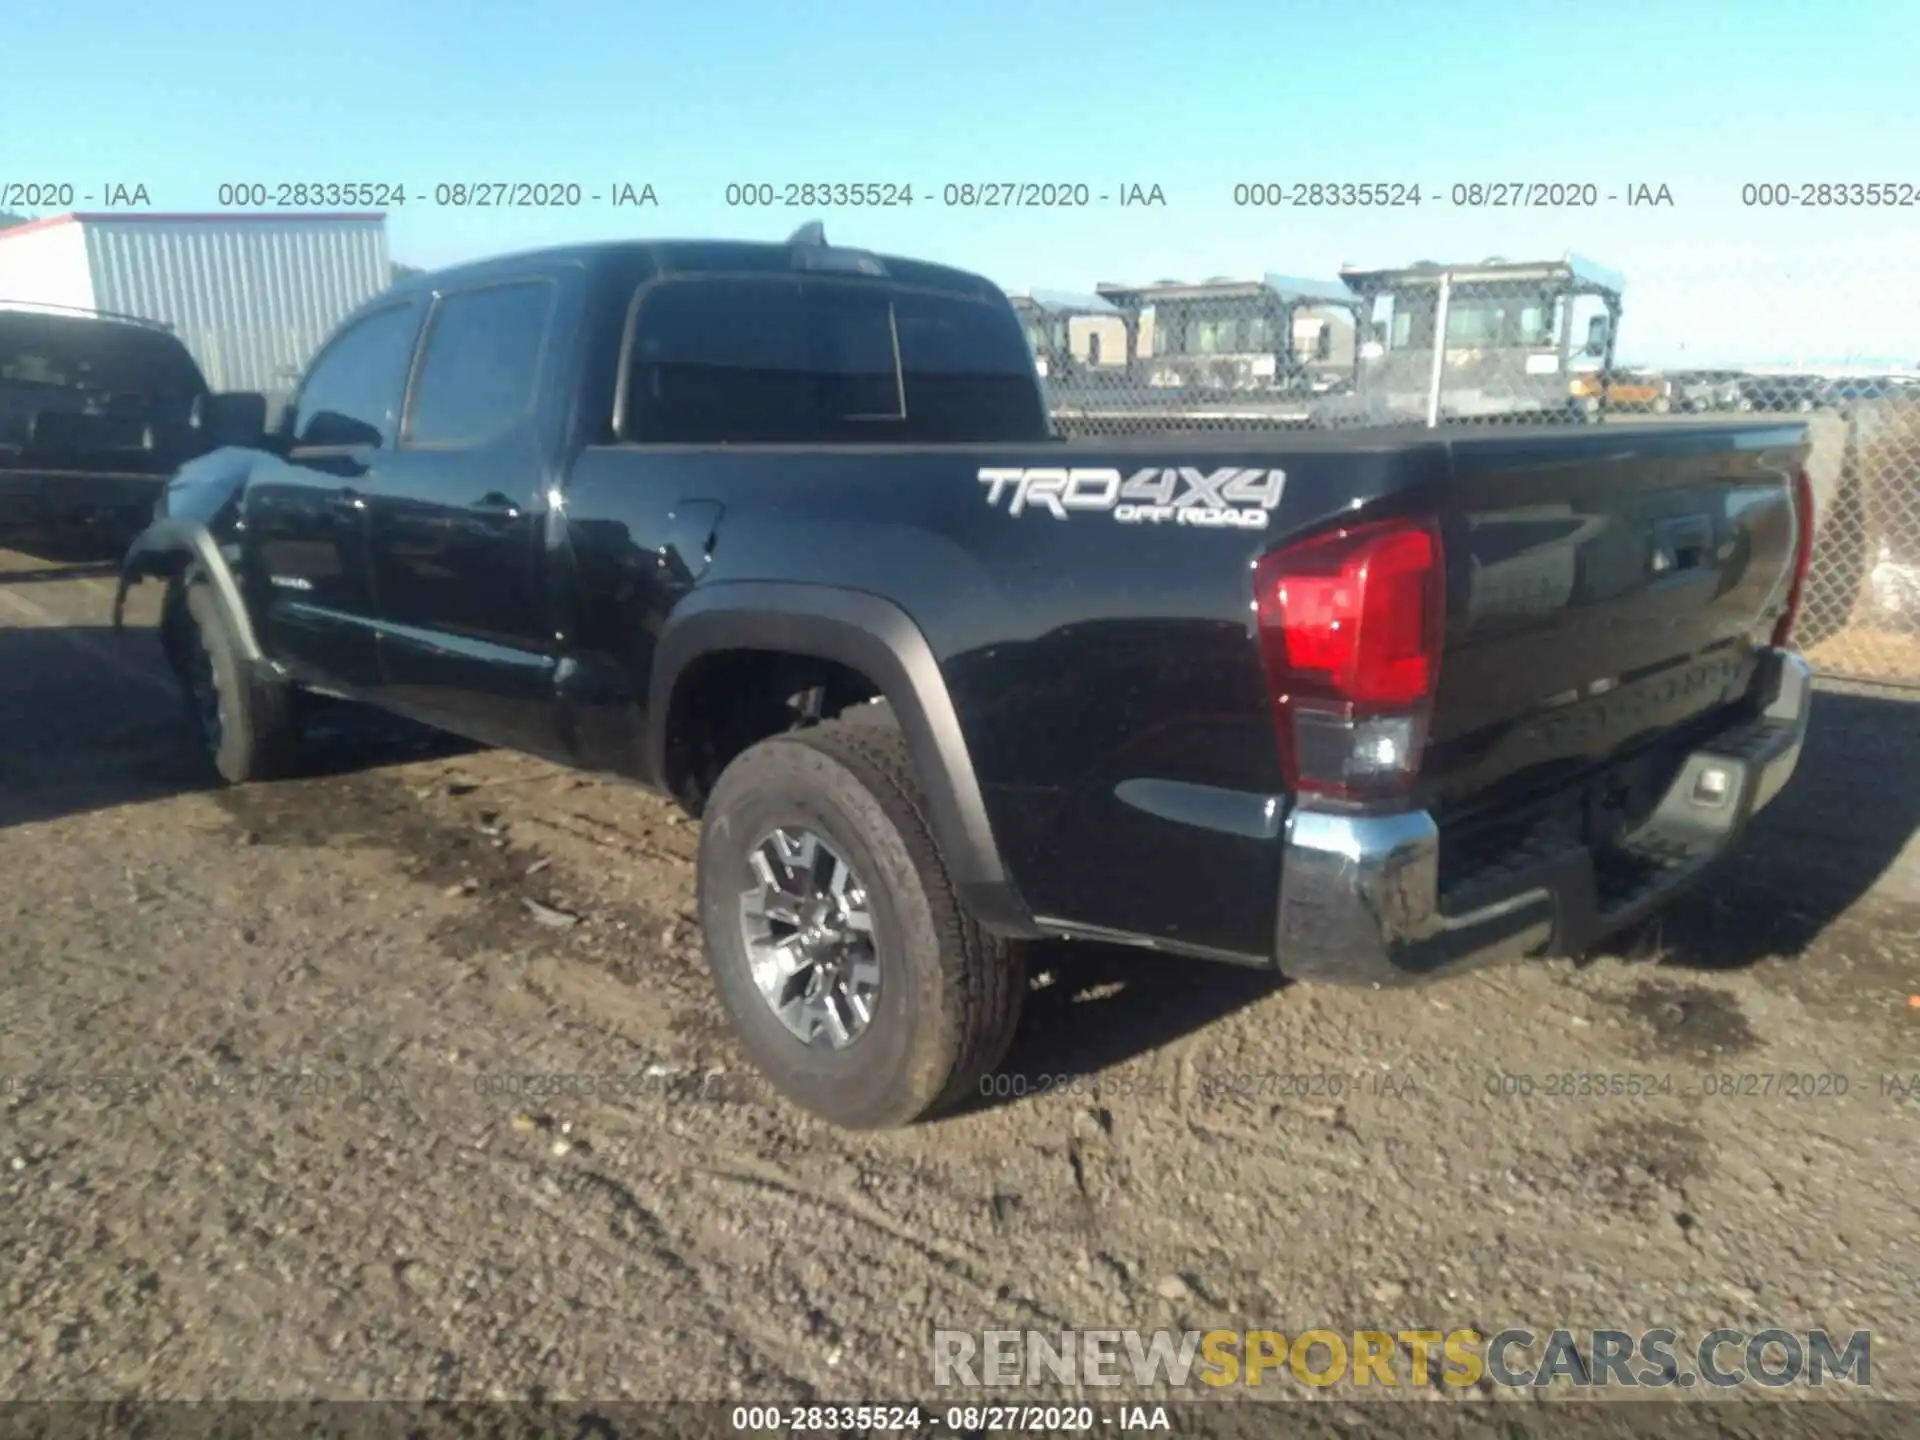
(776, 359)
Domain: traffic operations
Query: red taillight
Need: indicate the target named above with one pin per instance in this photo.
(1802, 557)
(1351, 623)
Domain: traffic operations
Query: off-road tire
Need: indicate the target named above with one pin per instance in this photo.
(256, 733)
(950, 992)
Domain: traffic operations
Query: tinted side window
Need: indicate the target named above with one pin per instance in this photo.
(753, 360)
(811, 361)
(352, 394)
(482, 360)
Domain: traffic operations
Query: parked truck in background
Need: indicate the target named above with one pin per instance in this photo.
(1799, 394)
(1278, 337)
(1624, 390)
(250, 293)
(784, 532)
(1238, 353)
(97, 411)
(1700, 391)
(1079, 341)
(1505, 340)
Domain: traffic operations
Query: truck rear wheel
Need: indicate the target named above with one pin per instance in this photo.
(854, 979)
(250, 727)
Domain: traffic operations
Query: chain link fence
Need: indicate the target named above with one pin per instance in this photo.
(1498, 343)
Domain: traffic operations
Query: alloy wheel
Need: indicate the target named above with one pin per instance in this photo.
(808, 932)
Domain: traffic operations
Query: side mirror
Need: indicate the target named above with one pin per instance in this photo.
(1380, 333)
(1597, 335)
(235, 417)
(330, 427)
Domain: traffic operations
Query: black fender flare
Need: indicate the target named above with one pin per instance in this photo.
(162, 548)
(880, 640)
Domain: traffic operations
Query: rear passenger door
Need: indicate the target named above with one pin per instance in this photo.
(458, 524)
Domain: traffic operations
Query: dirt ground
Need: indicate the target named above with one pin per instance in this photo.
(403, 1080)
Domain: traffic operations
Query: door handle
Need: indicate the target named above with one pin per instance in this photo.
(347, 501)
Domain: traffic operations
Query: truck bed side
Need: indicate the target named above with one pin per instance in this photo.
(1105, 673)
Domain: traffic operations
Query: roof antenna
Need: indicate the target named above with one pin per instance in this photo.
(813, 232)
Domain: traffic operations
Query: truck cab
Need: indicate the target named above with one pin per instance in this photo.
(1077, 340)
(1499, 339)
(1279, 336)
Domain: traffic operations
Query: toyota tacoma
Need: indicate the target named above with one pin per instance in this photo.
(783, 531)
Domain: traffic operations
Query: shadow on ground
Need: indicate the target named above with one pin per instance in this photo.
(79, 570)
(1837, 830)
(1103, 1005)
(75, 545)
(90, 719)
(1834, 833)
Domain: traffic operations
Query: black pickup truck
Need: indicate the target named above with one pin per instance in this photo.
(97, 411)
(783, 531)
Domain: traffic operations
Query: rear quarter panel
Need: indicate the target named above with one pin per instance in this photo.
(1085, 656)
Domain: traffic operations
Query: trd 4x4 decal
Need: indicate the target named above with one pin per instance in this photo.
(1157, 495)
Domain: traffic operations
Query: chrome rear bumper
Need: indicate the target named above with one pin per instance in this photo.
(1361, 898)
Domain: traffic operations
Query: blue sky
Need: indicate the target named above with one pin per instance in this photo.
(1698, 97)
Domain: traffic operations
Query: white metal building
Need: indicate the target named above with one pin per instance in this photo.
(251, 295)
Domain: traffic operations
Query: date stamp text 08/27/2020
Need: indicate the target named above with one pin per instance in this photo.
(58, 194)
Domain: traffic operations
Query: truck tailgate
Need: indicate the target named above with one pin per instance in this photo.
(1605, 587)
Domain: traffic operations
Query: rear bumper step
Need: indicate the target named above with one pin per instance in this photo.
(1363, 901)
